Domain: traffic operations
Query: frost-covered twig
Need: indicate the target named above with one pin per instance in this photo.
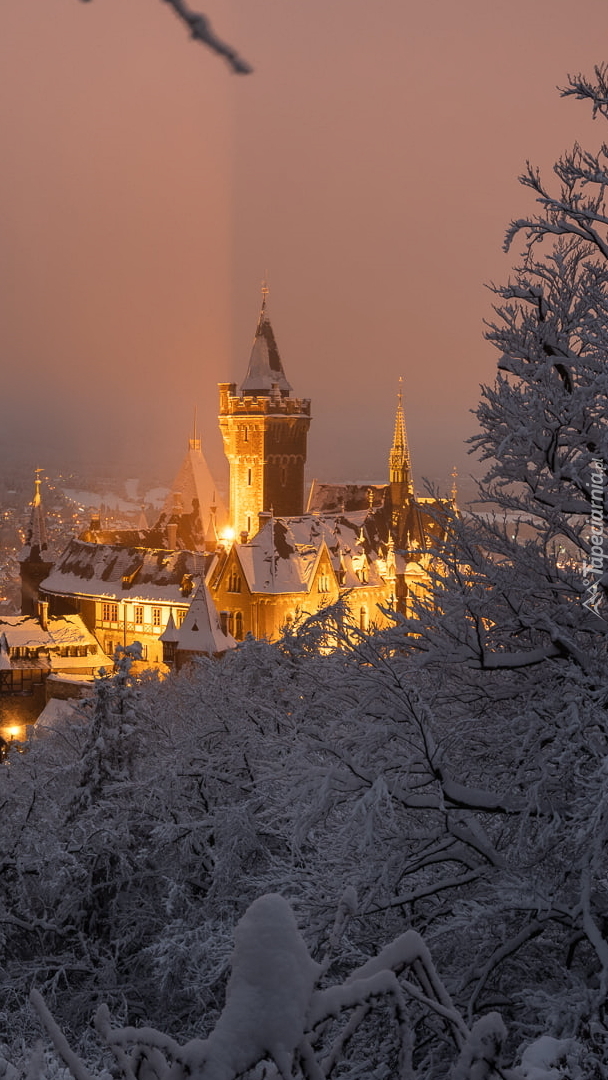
(63, 1048)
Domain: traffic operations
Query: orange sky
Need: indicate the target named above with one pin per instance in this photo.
(369, 165)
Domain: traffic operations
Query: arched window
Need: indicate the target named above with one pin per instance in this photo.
(234, 581)
(238, 625)
(363, 619)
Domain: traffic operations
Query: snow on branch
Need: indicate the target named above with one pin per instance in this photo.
(274, 1013)
(63, 1048)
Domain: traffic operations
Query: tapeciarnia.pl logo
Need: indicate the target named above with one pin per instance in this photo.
(595, 568)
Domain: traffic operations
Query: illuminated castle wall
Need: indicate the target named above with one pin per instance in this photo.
(264, 432)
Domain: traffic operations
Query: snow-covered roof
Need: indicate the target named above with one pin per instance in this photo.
(346, 496)
(285, 554)
(125, 573)
(265, 366)
(25, 631)
(201, 631)
(170, 633)
(57, 712)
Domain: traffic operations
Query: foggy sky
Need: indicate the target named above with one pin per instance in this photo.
(369, 166)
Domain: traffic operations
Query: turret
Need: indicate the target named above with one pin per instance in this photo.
(264, 432)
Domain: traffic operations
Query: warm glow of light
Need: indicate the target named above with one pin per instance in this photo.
(227, 535)
(13, 731)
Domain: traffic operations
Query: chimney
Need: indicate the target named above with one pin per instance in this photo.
(244, 536)
(263, 517)
(43, 614)
(172, 535)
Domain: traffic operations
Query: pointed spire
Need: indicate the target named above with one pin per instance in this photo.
(400, 468)
(170, 633)
(194, 443)
(36, 537)
(265, 369)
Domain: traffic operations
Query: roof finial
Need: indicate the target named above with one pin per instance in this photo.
(37, 482)
(454, 491)
(194, 443)
(265, 290)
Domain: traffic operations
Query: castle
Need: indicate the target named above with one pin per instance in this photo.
(260, 564)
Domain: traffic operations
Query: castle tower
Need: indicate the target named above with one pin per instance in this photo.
(264, 432)
(33, 564)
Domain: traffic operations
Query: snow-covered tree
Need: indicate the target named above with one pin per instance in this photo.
(444, 778)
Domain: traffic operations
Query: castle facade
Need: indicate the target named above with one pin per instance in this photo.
(268, 558)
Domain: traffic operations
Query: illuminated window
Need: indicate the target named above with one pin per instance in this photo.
(157, 616)
(138, 614)
(234, 582)
(109, 613)
(181, 615)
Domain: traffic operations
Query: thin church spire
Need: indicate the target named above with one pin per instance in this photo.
(399, 463)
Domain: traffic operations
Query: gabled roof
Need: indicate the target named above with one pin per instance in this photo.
(284, 556)
(265, 366)
(201, 631)
(125, 573)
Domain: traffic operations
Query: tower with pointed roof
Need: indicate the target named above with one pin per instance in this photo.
(34, 564)
(405, 520)
(399, 463)
(264, 431)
